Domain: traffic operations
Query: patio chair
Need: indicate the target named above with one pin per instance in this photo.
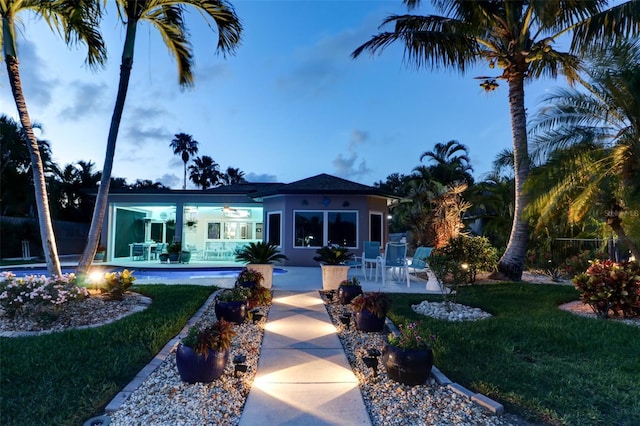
(394, 258)
(419, 261)
(137, 252)
(370, 257)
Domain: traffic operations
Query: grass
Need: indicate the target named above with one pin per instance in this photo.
(545, 364)
(65, 378)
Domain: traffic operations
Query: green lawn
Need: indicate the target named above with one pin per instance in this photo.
(542, 363)
(65, 378)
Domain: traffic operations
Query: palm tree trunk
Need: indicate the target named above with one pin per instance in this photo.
(511, 264)
(615, 223)
(184, 185)
(47, 236)
(100, 208)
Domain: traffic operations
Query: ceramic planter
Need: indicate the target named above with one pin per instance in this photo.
(346, 293)
(196, 368)
(333, 275)
(367, 321)
(408, 366)
(234, 312)
(267, 273)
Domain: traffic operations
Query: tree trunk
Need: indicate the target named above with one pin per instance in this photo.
(615, 223)
(511, 263)
(100, 208)
(47, 236)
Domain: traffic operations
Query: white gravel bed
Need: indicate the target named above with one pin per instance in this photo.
(393, 403)
(163, 399)
(450, 311)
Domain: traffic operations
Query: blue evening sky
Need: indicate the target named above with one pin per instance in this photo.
(290, 104)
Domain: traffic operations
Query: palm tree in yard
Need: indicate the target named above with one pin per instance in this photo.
(519, 38)
(452, 163)
(76, 21)
(204, 172)
(167, 16)
(232, 176)
(185, 146)
(592, 142)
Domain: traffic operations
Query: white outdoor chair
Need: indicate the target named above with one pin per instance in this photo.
(394, 258)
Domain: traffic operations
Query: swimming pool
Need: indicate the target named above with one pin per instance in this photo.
(150, 273)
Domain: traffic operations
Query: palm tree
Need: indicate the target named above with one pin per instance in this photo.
(519, 38)
(204, 172)
(185, 146)
(77, 21)
(592, 142)
(452, 163)
(232, 176)
(167, 16)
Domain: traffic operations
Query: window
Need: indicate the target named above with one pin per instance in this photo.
(342, 228)
(308, 229)
(274, 226)
(213, 230)
(375, 227)
(319, 228)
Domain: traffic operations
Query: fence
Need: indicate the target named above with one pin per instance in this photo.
(612, 248)
(70, 237)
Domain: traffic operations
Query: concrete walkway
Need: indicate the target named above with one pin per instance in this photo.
(303, 375)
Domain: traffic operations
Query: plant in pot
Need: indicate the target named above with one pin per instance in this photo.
(260, 256)
(370, 311)
(332, 259)
(174, 250)
(348, 290)
(231, 305)
(203, 353)
(259, 296)
(249, 278)
(408, 355)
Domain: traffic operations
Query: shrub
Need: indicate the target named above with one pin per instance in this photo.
(464, 257)
(248, 275)
(610, 286)
(33, 295)
(579, 263)
(217, 337)
(333, 255)
(115, 284)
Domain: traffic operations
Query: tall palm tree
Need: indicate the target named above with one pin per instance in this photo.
(592, 142)
(517, 37)
(204, 172)
(232, 176)
(167, 16)
(452, 163)
(76, 21)
(185, 146)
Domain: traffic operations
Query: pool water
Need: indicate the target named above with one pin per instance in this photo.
(150, 273)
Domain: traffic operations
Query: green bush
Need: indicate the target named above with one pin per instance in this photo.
(464, 257)
(610, 286)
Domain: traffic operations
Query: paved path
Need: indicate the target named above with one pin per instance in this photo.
(303, 376)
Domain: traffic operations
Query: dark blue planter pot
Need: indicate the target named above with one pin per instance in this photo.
(195, 368)
(408, 366)
(346, 293)
(235, 312)
(366, 321)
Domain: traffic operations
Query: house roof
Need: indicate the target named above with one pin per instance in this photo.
(321, 184)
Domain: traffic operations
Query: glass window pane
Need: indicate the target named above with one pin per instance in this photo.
(308, 229)
(274, 228)
(342, 228)
(375, 223)
(213, 230)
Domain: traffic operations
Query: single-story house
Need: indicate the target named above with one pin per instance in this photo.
(299, 217)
